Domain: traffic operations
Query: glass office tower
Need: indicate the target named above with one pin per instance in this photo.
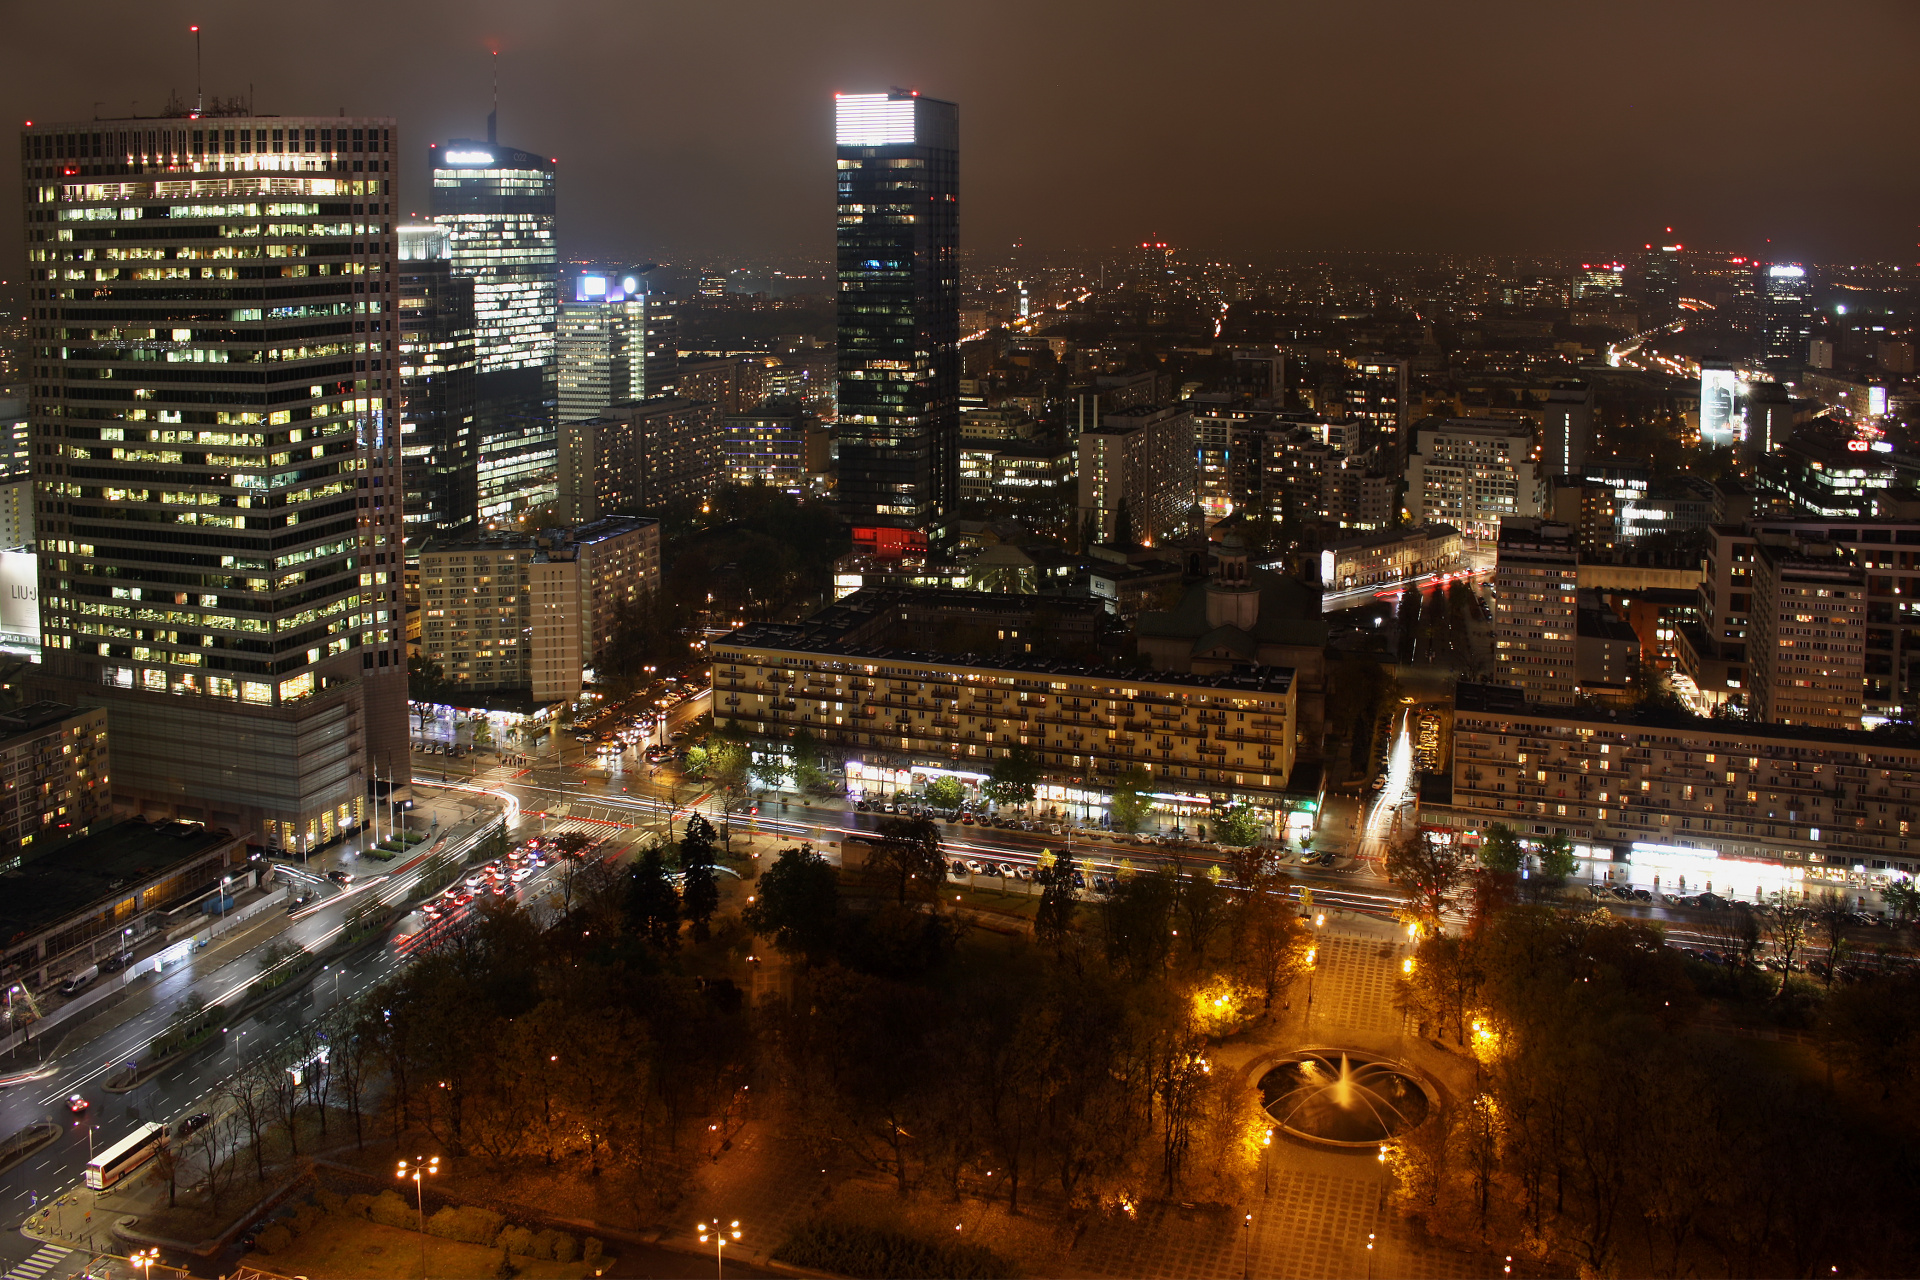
(216, 465)
(618, 341)
(898, 159)
(437, 361)
(498, 207)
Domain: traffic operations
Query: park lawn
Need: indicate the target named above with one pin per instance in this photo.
(339, 1247)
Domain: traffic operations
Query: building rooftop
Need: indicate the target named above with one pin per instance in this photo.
(1382, 537)
(1502, 700)
(33, 719)
(801, 638)
(98, 869)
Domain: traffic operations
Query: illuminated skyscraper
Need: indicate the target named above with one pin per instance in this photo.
(437, 440)
(216, 460)
(1786, 319)
(498, 206)
(899, 313)
(617, 342)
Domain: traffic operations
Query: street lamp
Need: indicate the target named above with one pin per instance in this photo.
(722, 1237)
(421, 1164)
(1266, 1172)
(144, 1259)
(1247, 1235)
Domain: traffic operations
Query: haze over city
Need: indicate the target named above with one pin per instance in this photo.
(1240, 128)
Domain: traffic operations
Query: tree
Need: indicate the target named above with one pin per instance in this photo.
(1137, 922)
(946, 793)
(1430, 873)
(1202, 909)
(1500, 849)
(770, 770)
(1269, 943)
(699, 891)
(1902, 899)
(1407, 622)
(652, 907)
(1556, 858)
(245, 1094)
(1053, 919)
(797, 902)
(907, 852)
(1239, 826)
(1131, 803)
(1012, 778)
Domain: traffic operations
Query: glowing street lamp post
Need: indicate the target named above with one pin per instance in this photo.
(421, 1164)
(722, 1237)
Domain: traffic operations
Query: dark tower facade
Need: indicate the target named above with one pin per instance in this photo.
(898, 159)
(438, 440)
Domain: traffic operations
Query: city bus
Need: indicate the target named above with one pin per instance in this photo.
(126, 1155)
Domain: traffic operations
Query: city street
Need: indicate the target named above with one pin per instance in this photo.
(80, 1057)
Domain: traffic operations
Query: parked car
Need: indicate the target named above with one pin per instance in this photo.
(199, 1120)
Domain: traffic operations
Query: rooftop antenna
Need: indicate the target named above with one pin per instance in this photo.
(493, 116)
(199, 98)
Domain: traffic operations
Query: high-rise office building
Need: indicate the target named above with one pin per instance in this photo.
(438, 448)
(898, 156)
(617, 342)
(1567, 428)
(1377, 396)
(498, 206)
(1786, 314)
(215, 412)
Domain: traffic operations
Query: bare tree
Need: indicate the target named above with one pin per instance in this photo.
(283, 1085)
(246, 1094)
(1831, 914)
(1430, 873)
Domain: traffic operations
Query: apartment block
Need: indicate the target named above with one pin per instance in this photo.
(1473, 473)
(640, 456)
(1807, 634)
(1143, 458)
(510, 612)
(1535, 599)
(53, 762)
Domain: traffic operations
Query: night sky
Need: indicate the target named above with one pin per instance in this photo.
(705, 129)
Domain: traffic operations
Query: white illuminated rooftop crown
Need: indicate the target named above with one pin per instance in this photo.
(872, 119)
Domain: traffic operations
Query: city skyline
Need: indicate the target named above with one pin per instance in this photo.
(1471, 136)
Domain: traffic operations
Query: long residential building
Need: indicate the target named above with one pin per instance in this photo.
(1737, 807)
(893, 714)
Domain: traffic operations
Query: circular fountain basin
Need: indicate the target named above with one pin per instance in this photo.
(1343, 1097)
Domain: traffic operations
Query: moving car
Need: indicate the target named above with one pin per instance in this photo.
(77, 1104)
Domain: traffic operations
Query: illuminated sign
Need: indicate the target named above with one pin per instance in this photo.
(1719, 395)
(872, 120)
(1858, 446)
(20, 599)
(469, 157)
(593, 286)
(1786, 271)
(1877, 401)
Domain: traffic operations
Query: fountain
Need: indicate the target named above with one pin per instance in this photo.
(1343, 1097)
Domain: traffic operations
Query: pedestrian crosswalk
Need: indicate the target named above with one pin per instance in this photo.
(43, 1260)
